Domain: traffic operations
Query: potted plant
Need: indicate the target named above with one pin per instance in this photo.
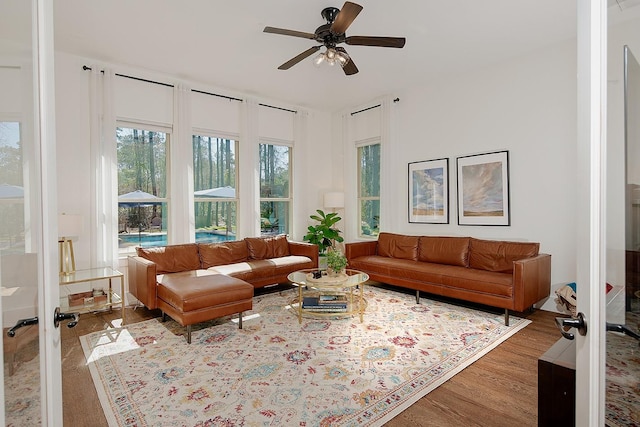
(324, 234)
(336, 262)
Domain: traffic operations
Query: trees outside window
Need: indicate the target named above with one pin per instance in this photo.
(214, 182)
(275, 188)
(369, 189)
(142, 187)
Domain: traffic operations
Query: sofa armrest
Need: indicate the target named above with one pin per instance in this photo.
(143, 280)
(531, 281)
(309, 250)
(358, 249)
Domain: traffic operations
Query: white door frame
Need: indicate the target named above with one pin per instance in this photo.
(590, 212)
(45, 141)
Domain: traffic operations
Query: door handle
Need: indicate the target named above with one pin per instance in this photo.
(59, 317)
(623, 329)
(579, 322)
(22, 322)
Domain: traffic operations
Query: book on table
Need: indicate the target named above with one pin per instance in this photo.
(332, 299)
(313, 303)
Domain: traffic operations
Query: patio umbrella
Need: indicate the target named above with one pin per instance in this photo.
(11, 192)
(222, 192)
(139, 199)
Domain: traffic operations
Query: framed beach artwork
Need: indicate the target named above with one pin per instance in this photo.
(429, 191)
(483, 189)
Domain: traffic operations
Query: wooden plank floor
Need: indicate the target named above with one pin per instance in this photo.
(500, 389)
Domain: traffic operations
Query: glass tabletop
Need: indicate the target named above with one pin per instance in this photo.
(349, 278)
(89, 275)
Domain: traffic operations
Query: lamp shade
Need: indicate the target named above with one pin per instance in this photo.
(69, 225)
(334, 200)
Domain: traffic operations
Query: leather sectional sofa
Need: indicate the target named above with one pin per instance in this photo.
(508, 275)
(196, 282)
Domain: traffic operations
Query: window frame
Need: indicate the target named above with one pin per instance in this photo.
(163, 201)
(288, 200)
(195, 131)
(359, 197)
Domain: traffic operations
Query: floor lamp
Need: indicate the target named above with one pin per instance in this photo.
(334, 200)
(69, 226)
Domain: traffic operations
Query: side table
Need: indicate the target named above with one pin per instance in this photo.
(91, 275)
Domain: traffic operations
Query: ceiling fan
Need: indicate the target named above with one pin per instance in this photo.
(333, 33)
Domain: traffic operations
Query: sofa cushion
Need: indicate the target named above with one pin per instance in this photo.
(493, 255)
(248, 270)
(212, 254)
(398, 246)
(172, 258)
(444, 250)
(267, 247)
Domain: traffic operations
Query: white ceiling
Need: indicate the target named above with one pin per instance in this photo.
(221, 43)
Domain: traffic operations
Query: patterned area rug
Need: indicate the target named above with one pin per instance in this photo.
(275, 371)
(622, 406)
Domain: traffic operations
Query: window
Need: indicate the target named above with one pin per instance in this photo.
(275, 182)
(11, 189)
(214, 182)
(142, 187)
(369, 189)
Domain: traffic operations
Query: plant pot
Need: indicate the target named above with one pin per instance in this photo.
(322, 262)
(333, 273)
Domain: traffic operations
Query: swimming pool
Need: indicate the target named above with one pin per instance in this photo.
(160, 239)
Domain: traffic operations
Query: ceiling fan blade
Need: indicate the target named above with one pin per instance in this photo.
(345, 17)
(293, 61)
(375, 41)
(293, 33)
(350, 68)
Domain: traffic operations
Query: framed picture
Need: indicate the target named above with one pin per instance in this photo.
(429, 191)
(483, 189)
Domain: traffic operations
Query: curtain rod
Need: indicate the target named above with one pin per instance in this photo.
(231, 98)
(365, 109)
(279, 108)
(84, 67)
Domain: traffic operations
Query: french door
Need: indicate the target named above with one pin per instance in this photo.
(591, 261)
(31, 381)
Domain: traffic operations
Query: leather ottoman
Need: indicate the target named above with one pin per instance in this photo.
(195, 296)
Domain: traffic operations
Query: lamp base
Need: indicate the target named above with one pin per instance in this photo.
(67, 259)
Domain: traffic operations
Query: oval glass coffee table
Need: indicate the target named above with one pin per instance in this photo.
(329, 296)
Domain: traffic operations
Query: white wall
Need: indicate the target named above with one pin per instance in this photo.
(526, 106)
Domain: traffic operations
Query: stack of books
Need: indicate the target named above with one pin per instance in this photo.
(326, 303)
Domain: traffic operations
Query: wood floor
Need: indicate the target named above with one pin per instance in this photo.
(500, 389)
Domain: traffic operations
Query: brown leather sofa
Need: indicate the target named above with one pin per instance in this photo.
(509, 275)
(196, 282)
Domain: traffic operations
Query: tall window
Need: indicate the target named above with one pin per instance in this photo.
(11, 189)
(369, 189)
(275, 191)
(142, 187)
(214, 182)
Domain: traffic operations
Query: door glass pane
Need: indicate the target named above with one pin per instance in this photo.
(19, 219)
(623, 367)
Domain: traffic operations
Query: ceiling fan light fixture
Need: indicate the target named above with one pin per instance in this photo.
(318, 60)
(342, 58)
